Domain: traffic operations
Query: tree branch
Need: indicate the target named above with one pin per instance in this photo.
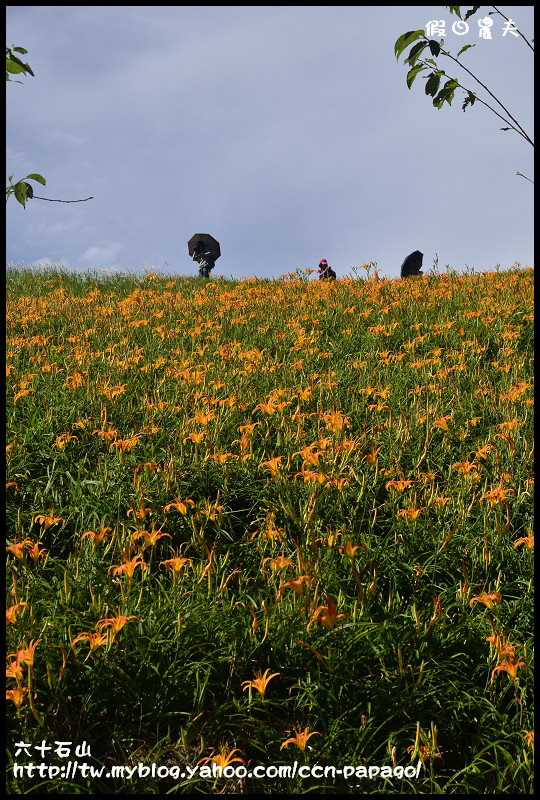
(521, 131)
(524, 39)
(35, 197)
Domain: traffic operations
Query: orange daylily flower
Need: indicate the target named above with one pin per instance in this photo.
(34, 552)
(398, 485)
(510, 667)
(279, 563)
(512, 425)
(371, 457)
(139, 513)
(22, 393)
(498, 495)
(63, 439)
(97, 537)
(529, 738)
(260, 682)
(74, 381)
(150, 537)
(183, 506)
(335, 420)
(270, 407)
(297, 585)
(195, 437)
(176, 563)
(489, 600)
(113, 391)
(27, 654)
(329, 618)
(504, 649)
(272, 534)
(482, 453)
(300, 739)
(14, 670)
(222, 458)
(466, 467)
(410, 513)
(441, 423)
(424, 751)
(17, 695)
(528, 541)
(273, 465)
(223, 759)
(17, 548)
(350, 549)
(310, 476)
(47, 521)
(148, 466)
(126, 444)
(438, 612)
(95, 640)
(12, 611)
(129, 567)
(338, 483)
(440, 502)
(204, 418)
(116, 623)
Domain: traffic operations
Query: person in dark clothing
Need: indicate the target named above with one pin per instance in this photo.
(412, 264)
(204, 258)
(325, 271)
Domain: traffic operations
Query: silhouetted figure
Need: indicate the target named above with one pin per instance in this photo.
(325, 271)
(412, 264)
(204, 258)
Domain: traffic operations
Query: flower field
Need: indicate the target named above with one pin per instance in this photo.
(264, 522)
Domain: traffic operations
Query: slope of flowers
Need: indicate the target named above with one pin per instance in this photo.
(242, 513)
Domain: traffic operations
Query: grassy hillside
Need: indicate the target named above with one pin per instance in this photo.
(270, 523)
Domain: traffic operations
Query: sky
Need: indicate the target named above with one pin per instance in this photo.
(286, 132)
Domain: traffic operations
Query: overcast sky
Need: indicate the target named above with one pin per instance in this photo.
(287, 132)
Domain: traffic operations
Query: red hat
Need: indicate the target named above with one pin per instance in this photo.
(323, 261)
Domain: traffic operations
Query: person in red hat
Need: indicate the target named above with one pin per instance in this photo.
(325, 271)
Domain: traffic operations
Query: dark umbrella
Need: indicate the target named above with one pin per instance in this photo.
(412, 264)
(211, 245)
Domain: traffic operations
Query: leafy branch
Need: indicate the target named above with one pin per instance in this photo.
(22, 190)
(433, 79)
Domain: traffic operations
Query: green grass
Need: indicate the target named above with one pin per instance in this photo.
(400, 415)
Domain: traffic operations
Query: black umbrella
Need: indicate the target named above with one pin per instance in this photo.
(210, 244)
(412, 264)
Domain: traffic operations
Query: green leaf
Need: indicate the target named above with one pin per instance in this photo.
(35, 176)
(465, 48)
(432, 84)
(411, 75)
(20, 190)
(415, 53)
(435, 47)
(469, 100)
(454, 10)
(20, 50)
(473, 10)
(13, 67)
(446, 93)
(405, 40)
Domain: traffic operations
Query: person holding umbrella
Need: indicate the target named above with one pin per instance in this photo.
(203, 257)
(204, 249)
(412, 264)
